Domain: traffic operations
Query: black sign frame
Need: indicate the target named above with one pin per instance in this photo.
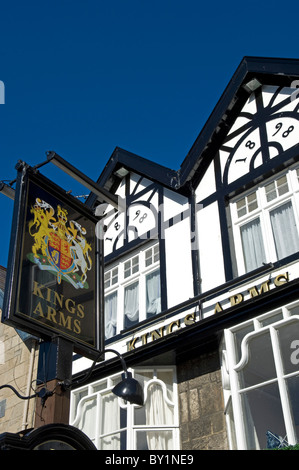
(54, 288)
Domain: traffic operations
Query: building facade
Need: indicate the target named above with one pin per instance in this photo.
(201, 281)
(18, 368)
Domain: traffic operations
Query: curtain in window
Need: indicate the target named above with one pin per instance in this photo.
(253, 246)
(153, 293)
(158, 413)
(84, 421)
(110, 422)
(284, 230)
(131, 306)
(110, 315)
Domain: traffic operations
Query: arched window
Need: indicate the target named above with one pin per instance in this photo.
(113, 424)
(260, 371)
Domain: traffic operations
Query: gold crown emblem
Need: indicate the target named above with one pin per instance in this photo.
(62, 213)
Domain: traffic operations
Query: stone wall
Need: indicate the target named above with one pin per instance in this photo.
(202, 420)
(18, 366)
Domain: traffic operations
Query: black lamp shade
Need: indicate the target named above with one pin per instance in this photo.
(130, 390)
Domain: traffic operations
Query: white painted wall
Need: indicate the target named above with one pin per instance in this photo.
(207, 185)
(178, 263)
(210, 247)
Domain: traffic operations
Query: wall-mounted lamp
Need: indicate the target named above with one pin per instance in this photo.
(7, 190)
(129, 388)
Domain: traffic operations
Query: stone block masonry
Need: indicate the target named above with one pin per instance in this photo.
(201, 405)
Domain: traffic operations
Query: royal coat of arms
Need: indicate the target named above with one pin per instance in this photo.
(59, 245)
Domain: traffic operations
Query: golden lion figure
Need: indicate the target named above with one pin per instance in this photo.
(43, 216)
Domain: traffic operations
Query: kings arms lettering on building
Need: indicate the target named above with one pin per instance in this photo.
(191, 318)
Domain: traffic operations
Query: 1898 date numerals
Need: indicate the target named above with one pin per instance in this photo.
(285, 133)
(139, 217)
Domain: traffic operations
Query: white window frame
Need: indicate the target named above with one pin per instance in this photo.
(125, 280)
(263, 213)
(95, 391)
(232, 364)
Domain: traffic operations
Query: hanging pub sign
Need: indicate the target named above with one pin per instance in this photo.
(53, 270)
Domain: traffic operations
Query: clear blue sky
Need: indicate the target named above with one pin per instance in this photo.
(82, 77)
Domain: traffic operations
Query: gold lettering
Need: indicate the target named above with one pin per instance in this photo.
(70, 309)
(236, 299)
(38, 310)
(144, 338)
(51, 314)
(77, 326)
(281, 279)
(218, 308)
(253, 292)
(157, 334)
(171, 326)
(65, 322)
(49, 294)
(58, 298)
(80, 311)
(37, 289)
(131, 344)
(189, 319)
(264, 288)
(61, 317)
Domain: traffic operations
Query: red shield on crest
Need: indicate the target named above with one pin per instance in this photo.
(59, 251)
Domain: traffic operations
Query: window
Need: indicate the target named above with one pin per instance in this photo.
(111, 278)
(252, 244)
(276, 188)
(153, 294)
(113, 424)
(132, 291)
(152, 255)
(247, 204)
(260, 370)
(265, 222)
(131, 266)
(131, 304)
